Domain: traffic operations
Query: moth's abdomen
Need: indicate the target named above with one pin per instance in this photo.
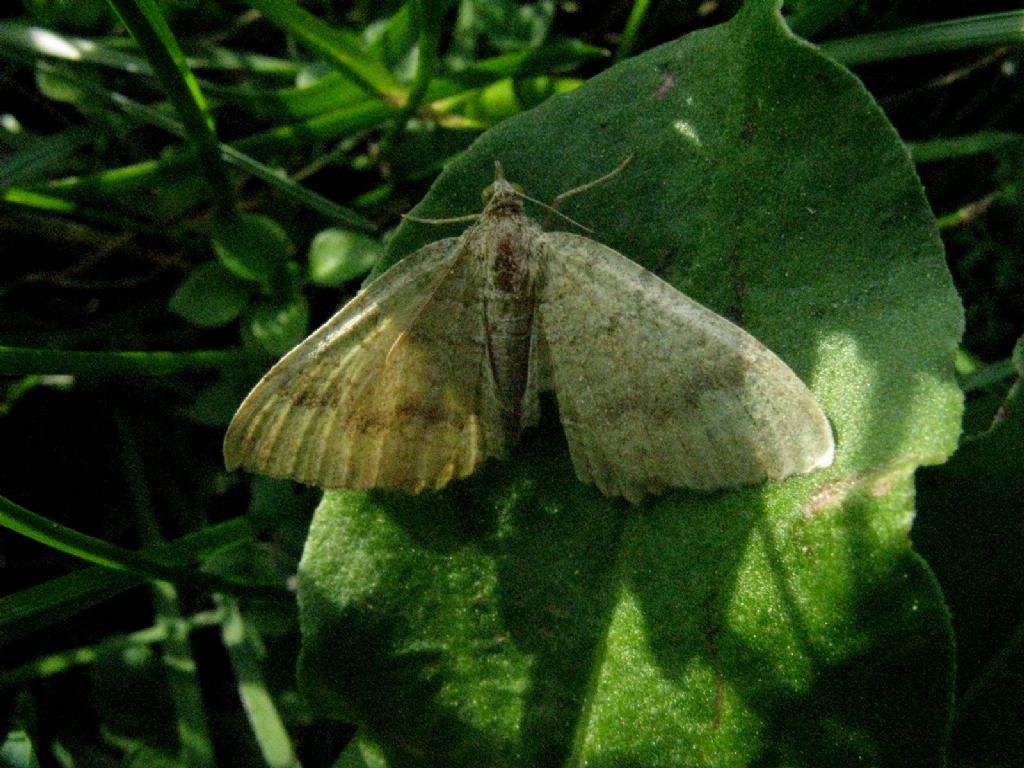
(509, 301)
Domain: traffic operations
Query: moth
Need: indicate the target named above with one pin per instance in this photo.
(436, 366)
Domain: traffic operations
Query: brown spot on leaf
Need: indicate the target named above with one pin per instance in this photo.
(666, 86)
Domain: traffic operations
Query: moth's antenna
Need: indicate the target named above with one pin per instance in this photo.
(453, 220)
(553, 208)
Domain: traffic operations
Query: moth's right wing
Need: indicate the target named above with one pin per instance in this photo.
(394, 391)
(656, 391)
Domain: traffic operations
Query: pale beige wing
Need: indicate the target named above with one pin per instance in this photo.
(394, 391)
(655, 390)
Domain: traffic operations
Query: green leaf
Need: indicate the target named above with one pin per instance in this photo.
(210, 296)
(251, 246)
(520, 618)
(278, 326)
(337, 256)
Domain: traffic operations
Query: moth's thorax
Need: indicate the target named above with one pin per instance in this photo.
(504, 238)
(508, 244)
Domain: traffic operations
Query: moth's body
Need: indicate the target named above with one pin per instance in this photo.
(437, 364)
(507, 238)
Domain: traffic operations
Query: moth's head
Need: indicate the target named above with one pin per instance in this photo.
(501, 188)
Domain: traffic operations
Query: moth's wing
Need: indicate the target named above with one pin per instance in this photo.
(655, 390)
(394, 391)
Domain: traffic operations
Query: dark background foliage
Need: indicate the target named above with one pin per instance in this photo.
(141, 260)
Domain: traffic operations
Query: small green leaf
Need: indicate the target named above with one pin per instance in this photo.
(17, 750)
(279, 326)
(251, 246)
(56, 87)
(217, 403)
(210, 296)
(337, 256)
(174, 196)
(361, 753)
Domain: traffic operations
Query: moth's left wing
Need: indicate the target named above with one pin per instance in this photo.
(394, 391)
(655, 390)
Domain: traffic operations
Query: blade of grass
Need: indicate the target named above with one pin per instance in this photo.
(963, 146)
(149, 28)
(25, 43)
(22, 361)
(40, 154)
(808, 17)
(392, 40)
(94, 550)
(965, 214)
(242, 644)
(984, 376)
(56, 600)
(560, 55)
(285, 105)
(44, 201)
(331, 126)
(193, 727)
(954, 35)
(339, 47)
(637, 14)
(59, 663)
(428, 15)
(194, 736)
(271, 176)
